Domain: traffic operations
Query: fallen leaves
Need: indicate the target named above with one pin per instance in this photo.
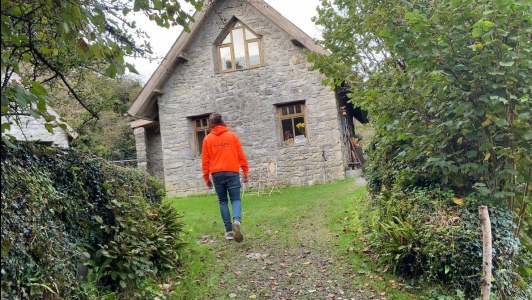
(256, 256)
(458, 200)
(206, 239)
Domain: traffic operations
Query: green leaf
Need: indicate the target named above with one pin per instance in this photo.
(49, 127)
(384, 33)
(157, 4)
(111, 70)
(8, 140)
(506, 63)
(98, 219)
(5, 127)
(37, 89)
(141, 4)
(447, 269)
(131, 68)
(4, 100)
(41, 105)
(477, 31)
(198, 5)
(49, 118)
(471, 153)
(528, 135)
(66, 28)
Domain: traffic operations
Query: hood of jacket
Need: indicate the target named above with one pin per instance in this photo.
(219, 129)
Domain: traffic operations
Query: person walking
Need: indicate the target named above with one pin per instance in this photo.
(222, 157)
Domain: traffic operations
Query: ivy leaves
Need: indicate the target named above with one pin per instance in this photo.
(65, 204)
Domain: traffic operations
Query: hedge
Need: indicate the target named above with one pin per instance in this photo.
(73, 224)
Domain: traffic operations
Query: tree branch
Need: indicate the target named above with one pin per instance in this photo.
(63, 78)
(49, 79)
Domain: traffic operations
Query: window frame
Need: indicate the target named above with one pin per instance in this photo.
(229, 32)
(196, 129)
(281, 117)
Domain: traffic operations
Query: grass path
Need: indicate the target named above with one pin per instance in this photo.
(296, 246)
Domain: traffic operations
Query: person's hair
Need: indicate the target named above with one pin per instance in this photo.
(215, 119)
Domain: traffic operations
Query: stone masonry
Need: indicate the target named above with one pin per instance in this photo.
(149, 151)
(247, 100)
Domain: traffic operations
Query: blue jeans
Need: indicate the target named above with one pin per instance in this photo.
(224, 183)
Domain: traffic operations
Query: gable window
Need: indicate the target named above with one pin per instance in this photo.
(293, 123)
(240, 49)
(200, 128)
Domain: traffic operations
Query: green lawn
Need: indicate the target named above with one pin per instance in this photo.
(310, 239)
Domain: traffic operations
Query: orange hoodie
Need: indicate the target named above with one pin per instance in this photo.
(222, 152)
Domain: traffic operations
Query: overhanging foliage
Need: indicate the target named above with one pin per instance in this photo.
(44, 40)
(447, 85)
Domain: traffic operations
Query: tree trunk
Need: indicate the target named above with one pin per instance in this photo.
(485, 283)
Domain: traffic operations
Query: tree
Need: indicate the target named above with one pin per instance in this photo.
(448, 87)
(109, 136)
(43, 41)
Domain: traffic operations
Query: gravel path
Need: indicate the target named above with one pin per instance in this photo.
(268, 266)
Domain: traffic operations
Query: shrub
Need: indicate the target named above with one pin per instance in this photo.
(451, 108)
(426, 236)
(68, 217)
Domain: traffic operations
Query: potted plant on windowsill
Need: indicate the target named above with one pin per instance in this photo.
(300, 133)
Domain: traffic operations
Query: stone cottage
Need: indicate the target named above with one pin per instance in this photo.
(25, 127)
(246, 61)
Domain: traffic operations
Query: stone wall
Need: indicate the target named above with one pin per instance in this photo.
(141, 145)
(247, 100)
(149, 150)
(154, 152)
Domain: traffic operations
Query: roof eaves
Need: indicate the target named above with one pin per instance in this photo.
(176, 54)
(165, 69)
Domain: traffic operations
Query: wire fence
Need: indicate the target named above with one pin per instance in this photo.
(132, 163)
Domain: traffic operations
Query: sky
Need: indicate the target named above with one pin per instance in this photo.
(161, 39)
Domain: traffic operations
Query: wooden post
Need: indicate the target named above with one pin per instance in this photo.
(485, 283)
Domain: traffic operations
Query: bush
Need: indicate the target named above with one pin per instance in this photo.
(68, 217)
(451, 108)
(425, 235)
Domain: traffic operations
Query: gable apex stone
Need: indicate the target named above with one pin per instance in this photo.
(176, 55)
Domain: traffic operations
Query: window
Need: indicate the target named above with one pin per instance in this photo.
(292, 123)
(200, 127)
(240, 49)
